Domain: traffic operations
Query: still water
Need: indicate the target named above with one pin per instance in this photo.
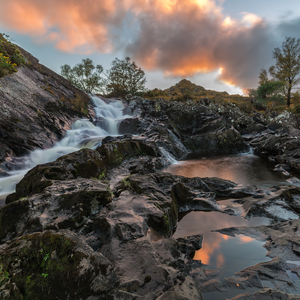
(245, 169)
(221, 252)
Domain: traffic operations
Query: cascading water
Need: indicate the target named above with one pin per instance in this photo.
(83, 134)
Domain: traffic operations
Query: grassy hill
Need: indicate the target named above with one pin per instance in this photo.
(185, 90)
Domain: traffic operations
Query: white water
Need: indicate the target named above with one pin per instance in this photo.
(170, 158)
(83, 134)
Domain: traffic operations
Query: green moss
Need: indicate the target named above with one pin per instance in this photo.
(36, 262)
(166, 220)
(102, 175)
(126, 184)
(49, 265)
(4, 275)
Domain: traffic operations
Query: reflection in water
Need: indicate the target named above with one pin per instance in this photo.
(222, 252)
(246, 169)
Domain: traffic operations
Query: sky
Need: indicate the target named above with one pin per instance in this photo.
(218, 44)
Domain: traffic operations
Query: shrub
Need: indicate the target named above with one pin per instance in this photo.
(10, 56)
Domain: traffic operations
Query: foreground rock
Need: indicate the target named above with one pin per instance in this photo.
(117, 201)
(53, 265)
(129, 222)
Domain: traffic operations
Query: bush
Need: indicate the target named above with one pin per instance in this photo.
(246, 106)
(10, 56)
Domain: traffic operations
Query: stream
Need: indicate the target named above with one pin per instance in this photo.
(83, 134)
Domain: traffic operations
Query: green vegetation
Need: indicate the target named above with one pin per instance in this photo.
(10, 56)
(287, 66)
(84, 76)
(4, 275)
(124, 77)
(48, 261)
(102, 175)
(284, 75)
(126, 183)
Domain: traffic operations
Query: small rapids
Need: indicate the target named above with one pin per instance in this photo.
(83, 134)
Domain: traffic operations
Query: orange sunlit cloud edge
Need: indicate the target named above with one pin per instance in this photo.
(178, 38)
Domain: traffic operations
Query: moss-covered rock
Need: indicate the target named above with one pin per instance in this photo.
(53, 265)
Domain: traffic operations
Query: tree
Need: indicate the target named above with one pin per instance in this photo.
(263, 76)
(272, 92)
(85, 76)
(125, 77)
(270, 89)
(287, 66)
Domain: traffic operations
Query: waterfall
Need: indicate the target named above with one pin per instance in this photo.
(83, 134)
(168, 156)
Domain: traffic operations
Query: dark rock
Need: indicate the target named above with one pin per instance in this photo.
(130, 125)
(114, 153)
(71, 204)
(37, 109)
(222, 141)
(283, 146)
(62, 262)
(190, 244)
(83, 163)
(10, 216)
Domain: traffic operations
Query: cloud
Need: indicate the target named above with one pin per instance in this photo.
(74, 26)
(194, 40)
(179, 38)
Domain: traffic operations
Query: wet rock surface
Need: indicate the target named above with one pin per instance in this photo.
(281, 145)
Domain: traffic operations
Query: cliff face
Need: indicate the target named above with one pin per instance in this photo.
(37, 107)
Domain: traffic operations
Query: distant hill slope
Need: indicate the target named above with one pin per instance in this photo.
(186, 90)
(37, 107)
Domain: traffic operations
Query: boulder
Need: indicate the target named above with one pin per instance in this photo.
(52, 265)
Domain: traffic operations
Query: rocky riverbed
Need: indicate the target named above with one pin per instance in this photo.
(99, 224)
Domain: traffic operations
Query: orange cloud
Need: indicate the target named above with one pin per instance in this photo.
(179, 38)
(209, 247)
(246, 239)
(220, 261)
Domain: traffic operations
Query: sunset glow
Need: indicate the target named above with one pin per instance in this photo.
(246, 239)
(209, 248)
